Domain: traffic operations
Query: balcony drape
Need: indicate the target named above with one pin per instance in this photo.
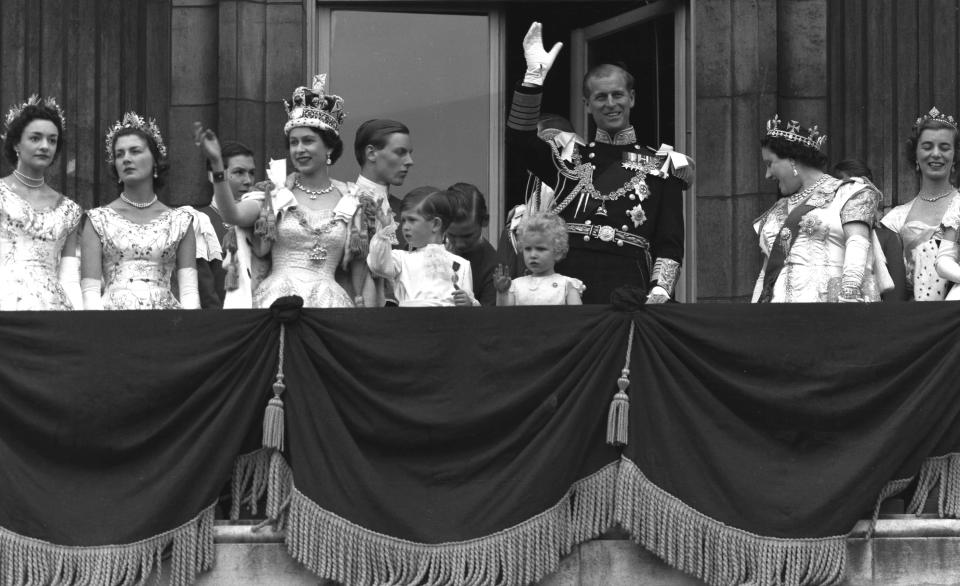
(468, 446)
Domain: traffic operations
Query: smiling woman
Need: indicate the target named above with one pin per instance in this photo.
(922, 221)
(817, 241)
(304, 242)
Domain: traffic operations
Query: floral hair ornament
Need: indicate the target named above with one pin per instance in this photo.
(312, 107)
(35, 100)
(133, 120)
(812, 138)
(934, 114)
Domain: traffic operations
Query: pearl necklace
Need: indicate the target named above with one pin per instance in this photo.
(26, 180)
(802, 195)
(933, 198)
(312, 193)
(138, 205)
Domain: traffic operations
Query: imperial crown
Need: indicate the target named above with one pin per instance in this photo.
(312, 107)
(134, 120)
(937, 115)
(813, 138)
(33, 100)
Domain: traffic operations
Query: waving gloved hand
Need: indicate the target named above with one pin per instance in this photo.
(538, 59)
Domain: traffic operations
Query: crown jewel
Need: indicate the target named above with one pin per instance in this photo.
(312, 107)
(34, 100)
(134, 120)
(934, 114)
(813, 138)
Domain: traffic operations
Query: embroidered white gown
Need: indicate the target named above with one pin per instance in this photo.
(310, 246)
(813, 267)
(139, 259)
(31, 242)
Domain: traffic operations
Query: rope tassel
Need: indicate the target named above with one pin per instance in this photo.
(273, 430)
(618, 418)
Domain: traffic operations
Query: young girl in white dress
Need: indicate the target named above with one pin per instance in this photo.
(543, 241)
(427, 275)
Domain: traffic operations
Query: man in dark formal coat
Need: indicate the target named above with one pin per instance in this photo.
(622, 202)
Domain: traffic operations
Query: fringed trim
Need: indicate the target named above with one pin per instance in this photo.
(945, 472)
(24, 560)
(715, 552)
(264, 472)
(890, 489)
(334, 548)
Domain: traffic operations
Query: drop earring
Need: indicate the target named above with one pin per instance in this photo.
(329, 160)
(795, 171)
(155, 174)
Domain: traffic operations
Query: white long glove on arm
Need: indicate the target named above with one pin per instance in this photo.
(69, 276)
(90, 289)
(188, 282)
(539, 61)
(855, 256)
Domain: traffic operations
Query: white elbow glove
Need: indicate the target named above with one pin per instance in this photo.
(947, 266)
(855, 256)
(539, 61)
(189, 289)
(69, 277)
(90, 289)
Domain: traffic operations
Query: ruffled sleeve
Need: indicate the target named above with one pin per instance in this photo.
(575, 284)
(381, 258)
(862, 205)
(208, 245)
(951, 218)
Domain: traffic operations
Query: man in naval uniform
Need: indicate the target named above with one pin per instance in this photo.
(622, 204)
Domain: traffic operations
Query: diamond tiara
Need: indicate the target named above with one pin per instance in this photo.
(34, 100)
(934, 114)
(134, 120)
(813, 138)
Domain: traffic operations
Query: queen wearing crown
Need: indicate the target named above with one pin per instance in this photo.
(132, 245)
(928, 223)
(817, 241)
(303, 225)
(39, 268)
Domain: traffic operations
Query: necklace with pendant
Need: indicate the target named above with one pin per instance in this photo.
(936, 197)
(312, 193)
(318, 253)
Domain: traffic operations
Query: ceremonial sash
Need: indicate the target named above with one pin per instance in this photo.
(778, 255)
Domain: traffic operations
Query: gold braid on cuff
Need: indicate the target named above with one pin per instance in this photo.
(665, 273)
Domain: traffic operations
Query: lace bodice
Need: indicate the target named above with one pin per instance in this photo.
(139, 259)
(31, 242)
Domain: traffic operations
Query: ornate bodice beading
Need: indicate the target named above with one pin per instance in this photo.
(309, 247)
(31, 242)
(139, 259)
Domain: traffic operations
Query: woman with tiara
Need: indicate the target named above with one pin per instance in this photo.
(817, 240)
(39, 268)
(131, 245)
(926, 220)
(306, 225)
